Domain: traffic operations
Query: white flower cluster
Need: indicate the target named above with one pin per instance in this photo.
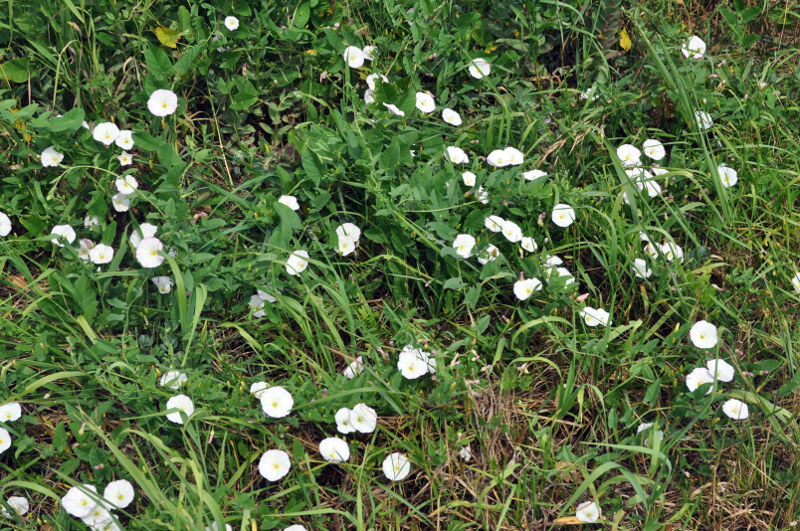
(83, 502)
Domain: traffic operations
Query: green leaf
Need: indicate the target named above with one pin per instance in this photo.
(157, 61)
(16, 70)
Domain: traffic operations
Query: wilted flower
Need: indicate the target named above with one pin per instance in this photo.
(465, 453)
(372, 78)
(119, 493)
(232, 23)
(698, 377)
(78, 502)
(595, 316)
(425, 102)
(363, 418)
(105, 132)
(121, 203)
(101, 254)
(183, 404)
(65, 231)
(525, 288)
(533, 175)
(563, 215)
(703, 334)
(51, 157)
(277, 402)
(274, 465)
(162, 102)
(452, 117)
(479, 68)
(148, 253)
(354, 56)
(457, 155)
(334, 450)
(396, 466)
(696, 48)
(482, 195)
(290, 201)
(728, 176)
(654, 149)
(463, 245)
(588, 512)
(394, 109)
(297, 262)
(735, 409)
(173, 379)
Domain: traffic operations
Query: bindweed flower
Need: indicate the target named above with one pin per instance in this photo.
(482, 195)
(5, 225)
(698, 377)
(297, 262)
(523, 289)
(257, 389)
(343, 424)
(728, 176)
(370, 52)
(257, 302)
(528, 243)
(533, 175)
(511, 231)
(290, 201)
(640, 268)
(101, 254)
(672, 251)
(465, 453)
(148, 230)
(346, 246)
(105, 132)
(479, 67)
(276, 402)
(125, 159)
(124, 139)
(468, 177)
(232, 23)
(348, 235)
(396, 466)
(78, 502)
(162, 102)
(588, 512)
(84, 247)
(452, 117)
(425, 102)
(373, 78)
(721, 369)
(64, 231)
(703, 334)
(563, 215)
(10, 412)
(703, 119)
(18, 504)
(463, 244)
(394, 109)
(628, 155)
(90, 221)
(121, 203)
(295, 527)
(183, 404)
(126, 185)
(564, 272)
(590, 94)
(497, 158)
(369, 96)
(5, 440)
(274, 465)
(595, 316)
(334, 450)
(647, 426)
(119, 493)
(148, 253)
(795, 280)
(735, 409)
(654, 149)
(457, 155)
(494, 223)
(97, 516)
(696, 48)
(173, 379)
(514, 156)
(51, 158)
(412, 363)
(489, 254)
(363, 418)
(354, 56)
(355, 368)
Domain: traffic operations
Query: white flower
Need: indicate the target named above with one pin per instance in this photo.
(646, 181)
(98, 516)
(51, 157)
(370, 52)
(703, 334)
(735, 409)
(125, 159)
(257, 302)
(276, 402)
(465, 453)
(696, 48)
(640, 268)
(728, 176)
(723, 370)
(412, 364)
(511, 231)
(101, 254)
(425, 102)
(65, 231)
(652, 249)
(703, 119)
(394, 109)
(479, 68)
(564, 272)
(173, 379)
(463, 245)
(552, 261)
(590, 94)
(5, 225)
(654, 149)
(105, 132)
(257, 389)
(468, 177)
(119, 493)
(125, 139)
(588, 512)
(698, 377)
(295, 527)
(5, 440)
(494, 223)
(10, 412)
(232, 23)
(489, 254)
(78, 502)
(497, 158)
(452, 117)
(457, 155)
(525, 288)
(297, 262)
(528, 243)
(595, 316)
(533, 175)
(629, 155)
(514, 156)
(354, 56)
(671, 251)
(334, 450)
(162, 102)
(19, 504)
(563, 215)
(290, 201)
(363, 418)
(646, 426)
(84, 247)
(349, 231)
(355, 368)
(373, 78)
(369, 96)
(121, 203)
(90, 221)
(482, 195)
(342, 419)
(127, 185)
(796, 281)
(148, 252)
(148, 230)
(274, 465)
(183, 404)
(396, 466)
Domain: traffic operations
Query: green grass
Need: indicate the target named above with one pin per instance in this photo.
(548, 406)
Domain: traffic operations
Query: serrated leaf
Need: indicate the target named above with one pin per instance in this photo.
(167, 37)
